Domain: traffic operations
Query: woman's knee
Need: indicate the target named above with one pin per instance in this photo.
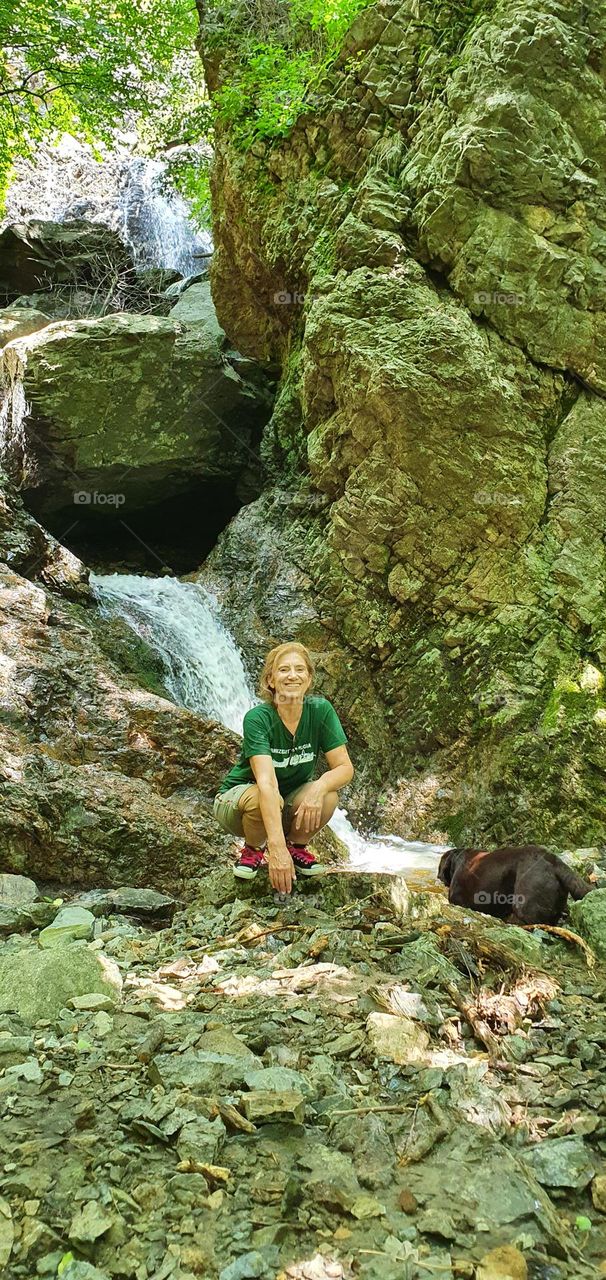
(249, 801)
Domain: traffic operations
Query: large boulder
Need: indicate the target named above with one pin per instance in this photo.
(126, 411)
(434, 293)
(101, 781)
(36, 984)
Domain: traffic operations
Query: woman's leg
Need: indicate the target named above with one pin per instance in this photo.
(252, 822)
(294, 832)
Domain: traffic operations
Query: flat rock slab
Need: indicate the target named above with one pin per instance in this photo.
(222, 1062)
(127, 900)
(69, 924)
(398, 1040)
(92, 1002)
(561, 1162)
(91, 1222)
(201, 1140)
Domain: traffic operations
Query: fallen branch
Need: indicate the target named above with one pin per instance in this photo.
(480, 1028)
(568, 936)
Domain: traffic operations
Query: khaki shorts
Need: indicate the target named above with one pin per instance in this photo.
(229, 816)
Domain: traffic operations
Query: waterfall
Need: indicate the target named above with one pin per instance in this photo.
(154, 220)
(204, 668)
(205, 672)
(130, 193)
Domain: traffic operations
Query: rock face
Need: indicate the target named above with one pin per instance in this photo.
(101, 781)
(193, 411)
(26, 548)
(38, 254)
(424, 255)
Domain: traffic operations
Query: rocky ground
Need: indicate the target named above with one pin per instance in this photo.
(361, 1081)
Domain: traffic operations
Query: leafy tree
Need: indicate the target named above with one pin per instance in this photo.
(86, 66)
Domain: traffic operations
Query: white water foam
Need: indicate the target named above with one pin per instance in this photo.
(205, 672)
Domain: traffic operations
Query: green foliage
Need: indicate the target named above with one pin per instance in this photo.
(271, 81)
(274, 82)
(87, 66)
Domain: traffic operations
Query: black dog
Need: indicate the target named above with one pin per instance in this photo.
(524, 883)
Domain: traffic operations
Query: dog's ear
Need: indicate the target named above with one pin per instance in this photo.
(445, 868)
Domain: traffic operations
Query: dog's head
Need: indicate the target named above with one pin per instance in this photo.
(448, 864)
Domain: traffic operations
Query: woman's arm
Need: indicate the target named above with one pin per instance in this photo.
(281, 866)
(340, 771)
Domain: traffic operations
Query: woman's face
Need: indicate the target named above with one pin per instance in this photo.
(290, 678)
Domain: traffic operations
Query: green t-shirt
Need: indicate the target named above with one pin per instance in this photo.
(294, 756)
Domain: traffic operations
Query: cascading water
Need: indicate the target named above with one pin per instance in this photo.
(125, 191)
(154, 220)
(180, 620)
(205, 672)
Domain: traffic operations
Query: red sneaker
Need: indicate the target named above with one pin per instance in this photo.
(304, 861)
(249, 862)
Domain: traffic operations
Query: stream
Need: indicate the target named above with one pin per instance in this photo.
(205, 672)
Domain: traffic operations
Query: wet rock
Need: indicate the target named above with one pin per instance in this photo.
(96, 765)
(393, 1039)
(17, 891)
(561, 1162)
(588, 917)
(266, 1106)
(37, 984)
(69, 924)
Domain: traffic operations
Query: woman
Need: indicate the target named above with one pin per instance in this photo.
(269, 796)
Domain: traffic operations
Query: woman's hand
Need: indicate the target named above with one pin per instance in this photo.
(308, 814)
(281, 868)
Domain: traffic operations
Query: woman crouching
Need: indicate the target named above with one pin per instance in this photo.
(269, 796)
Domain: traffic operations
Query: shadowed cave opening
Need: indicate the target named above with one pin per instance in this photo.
(174, 535)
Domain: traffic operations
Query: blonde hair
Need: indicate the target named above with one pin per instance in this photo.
(274, 655)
